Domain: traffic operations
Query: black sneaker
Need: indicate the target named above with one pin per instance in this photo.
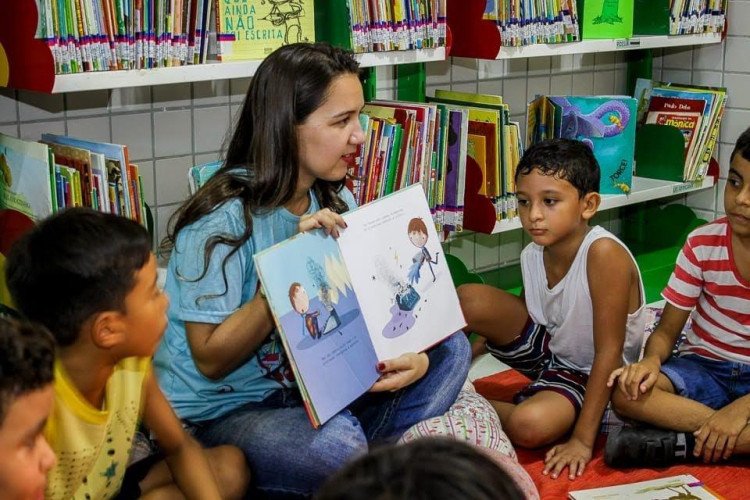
(645, 447)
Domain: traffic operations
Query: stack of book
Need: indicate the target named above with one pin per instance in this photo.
(439, 145)
(101, 35)
(525, 22)
(696, 111)
(40, 178)
(382, 25)
(697, 16)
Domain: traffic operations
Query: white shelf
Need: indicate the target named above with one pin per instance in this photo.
(592, 46)
(643, 189)
(98, 80)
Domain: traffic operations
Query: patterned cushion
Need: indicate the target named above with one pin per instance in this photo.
(473, 419)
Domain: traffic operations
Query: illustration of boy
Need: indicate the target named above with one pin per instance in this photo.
(301, 304)
(417, 231)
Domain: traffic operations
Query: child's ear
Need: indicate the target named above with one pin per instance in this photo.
(590, 204)
(108, 329)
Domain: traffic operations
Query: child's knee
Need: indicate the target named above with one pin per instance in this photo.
(230, 470)
(533, 427)
(469, 296)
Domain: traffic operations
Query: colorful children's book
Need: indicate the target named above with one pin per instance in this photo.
(380, 290)
(604, 123)
(606, 18)
(26, 177)
(252, 29)
(666, 488)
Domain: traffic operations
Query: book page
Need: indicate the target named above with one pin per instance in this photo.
(666, 488)
(398, 269)
(318, 317)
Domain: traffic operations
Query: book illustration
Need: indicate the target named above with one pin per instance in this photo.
(607, 120)
(26, 177)
(609, 13)
(417, 231)
(321, 301)
(341, 305)
(683, 487)
(605, 123)
(287, 13)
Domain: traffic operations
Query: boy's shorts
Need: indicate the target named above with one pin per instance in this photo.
(530, 355)
(710, 382)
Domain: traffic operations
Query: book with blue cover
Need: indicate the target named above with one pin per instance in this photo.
(380, 290)
(604, 123)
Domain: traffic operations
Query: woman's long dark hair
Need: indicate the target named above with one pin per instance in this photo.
(261, 167)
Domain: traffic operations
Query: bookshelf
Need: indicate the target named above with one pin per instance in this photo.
(593, 46)
(643, 189)
(214, 71)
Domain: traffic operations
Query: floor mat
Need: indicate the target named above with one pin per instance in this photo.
(730, 480)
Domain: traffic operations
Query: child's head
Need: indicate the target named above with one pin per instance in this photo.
(298, 298)
(26, 360)
(557, 186)
(429, 469)
(417, 231)
(737, 189)
(564, 159)
(84, 272)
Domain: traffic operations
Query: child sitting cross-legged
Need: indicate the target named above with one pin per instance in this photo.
(580, 315)
(26, 355)
(699, 399)
(90, 278)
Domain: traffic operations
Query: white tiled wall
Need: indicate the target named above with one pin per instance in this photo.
(169, 128)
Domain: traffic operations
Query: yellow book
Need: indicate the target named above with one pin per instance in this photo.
(252, 29)
(477, 149)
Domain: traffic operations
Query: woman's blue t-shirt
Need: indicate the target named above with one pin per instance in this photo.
(211, 300)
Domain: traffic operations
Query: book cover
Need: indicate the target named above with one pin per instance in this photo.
(25, 177)
(252, 29)
(666, 488)
(607, 125)
(606, 18)
(684, 114)
(380, 290)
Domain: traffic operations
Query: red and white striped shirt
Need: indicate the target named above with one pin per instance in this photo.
(706, 280)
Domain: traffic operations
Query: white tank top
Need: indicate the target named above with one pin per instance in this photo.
(566, 310)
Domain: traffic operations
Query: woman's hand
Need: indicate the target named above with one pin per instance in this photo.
(399, 372)
(326, 219)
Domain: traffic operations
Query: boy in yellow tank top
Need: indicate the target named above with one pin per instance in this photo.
(90, 278)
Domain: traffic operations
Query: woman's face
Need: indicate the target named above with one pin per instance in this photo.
(329, 137)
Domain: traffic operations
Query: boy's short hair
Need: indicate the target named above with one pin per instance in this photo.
(742, 146)
(73, 265)
(433, 468)
(27, 354)
(565, 159)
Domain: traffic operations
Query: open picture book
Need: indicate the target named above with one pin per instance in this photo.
(380, 290)
(683, 486)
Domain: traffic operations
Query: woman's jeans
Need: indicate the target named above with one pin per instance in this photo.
(289, 458)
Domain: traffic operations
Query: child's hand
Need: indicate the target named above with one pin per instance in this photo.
(400, 372)
(636, 379)
(574, 455)
(717, 436)
(325, 218)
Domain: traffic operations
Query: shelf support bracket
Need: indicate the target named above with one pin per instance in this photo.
(411, 82)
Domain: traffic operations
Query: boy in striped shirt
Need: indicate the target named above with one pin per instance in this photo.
(698, 400)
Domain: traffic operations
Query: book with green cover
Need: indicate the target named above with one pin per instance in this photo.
(606, 19)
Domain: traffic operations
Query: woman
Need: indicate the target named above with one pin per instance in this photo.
(221, 363)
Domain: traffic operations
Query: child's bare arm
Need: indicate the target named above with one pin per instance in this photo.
(640, 377)
(183, 454)
(610, 276)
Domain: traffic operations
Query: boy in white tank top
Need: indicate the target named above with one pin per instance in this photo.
(580, 315)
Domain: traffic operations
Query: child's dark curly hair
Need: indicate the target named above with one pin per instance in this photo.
(26, 358)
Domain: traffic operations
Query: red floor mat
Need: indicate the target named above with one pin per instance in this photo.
(730, 480)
